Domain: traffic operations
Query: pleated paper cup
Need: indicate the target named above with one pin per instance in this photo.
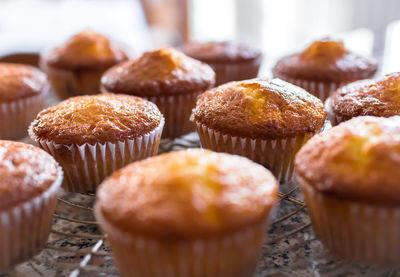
(24, 229)
(322, 90)
(176, 110)
(356, 231)
(15, 116)
(276, 154)
(229, 71)
(86, 165)
(230, 255)
(69, 83)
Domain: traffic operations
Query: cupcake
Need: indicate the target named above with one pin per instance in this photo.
(23, 91)
(265, 120)
(29, 183)
(367, 97)
(323, 67)
(166, 77)
(231, 61)
(75, 68)
(350, 176)
(92, 136)
(187, 213)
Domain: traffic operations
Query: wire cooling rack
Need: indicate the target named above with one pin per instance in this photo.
(76, 246)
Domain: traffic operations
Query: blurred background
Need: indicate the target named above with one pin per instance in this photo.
(277, 27)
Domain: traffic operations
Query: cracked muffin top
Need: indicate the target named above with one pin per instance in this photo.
(380, 97)
(19, 81)
(260, 108)
(187, 193)
(326, 60)
(227, 51)
(164, 71)
(359, 159)
(96, 119)
(26, 172)
(85, 50)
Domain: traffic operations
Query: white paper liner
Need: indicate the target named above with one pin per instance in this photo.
(235, 71)
(15, 116)
(356, 231)
(322, 90)
(231, 255)
(276, 154)
(24, 229)
(86, 166)
(176, 110)
(67, 83)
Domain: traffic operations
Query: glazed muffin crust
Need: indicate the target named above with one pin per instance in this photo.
(187, 193)
(260, 108)
(85, 50)
(96, 119)
(20, 81)
(326, 60)
(25, 171)
(161, 72)
(358, 159)
(223, 52)
(368, 97)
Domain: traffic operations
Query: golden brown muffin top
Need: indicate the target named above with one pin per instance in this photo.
(19, 81)
(260, 108)
(85, 50)
(96, 119)
(359, 159)
(326, 60)
(379, 97)
(160, 72)
(227, 51)
(25, 172)
(187, 194)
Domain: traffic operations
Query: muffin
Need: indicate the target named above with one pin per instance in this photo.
(29, 183)
(367, 97)
(231, 61)
(323, 67)
(350, 176)
(265, 120)
(187, 213)
(166, 77)
(75, 68)
(92, 136)
(23, 91)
